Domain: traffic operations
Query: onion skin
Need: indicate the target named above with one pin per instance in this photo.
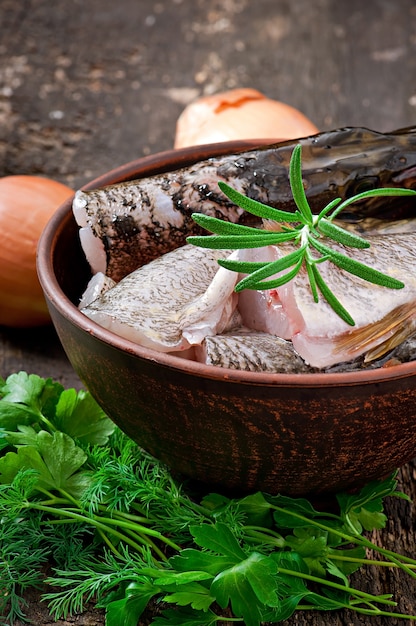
(26, 204)
(239, 114)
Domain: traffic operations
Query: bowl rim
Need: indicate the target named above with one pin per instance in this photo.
(174, 159)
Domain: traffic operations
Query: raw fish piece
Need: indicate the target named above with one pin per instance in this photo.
(128, 224)
(252, 352)
(261, 352)
(319, 335)
(172, 303)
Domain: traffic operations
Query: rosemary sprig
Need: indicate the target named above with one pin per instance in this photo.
(308, 231)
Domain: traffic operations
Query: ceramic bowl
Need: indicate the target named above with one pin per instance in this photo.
(235, 431)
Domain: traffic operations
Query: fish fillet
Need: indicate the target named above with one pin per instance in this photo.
(318, 334)
(172, 303)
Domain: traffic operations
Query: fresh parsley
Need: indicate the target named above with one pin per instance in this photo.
(309, 232)
(119, 530)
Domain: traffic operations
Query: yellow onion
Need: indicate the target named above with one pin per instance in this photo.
(26, 204)
(239, 114)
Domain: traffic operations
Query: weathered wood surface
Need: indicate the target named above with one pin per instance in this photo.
(87, 86)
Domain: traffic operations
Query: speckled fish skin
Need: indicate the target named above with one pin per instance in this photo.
(251, 352)
(262, 352)
(126, 225)
(171, 303)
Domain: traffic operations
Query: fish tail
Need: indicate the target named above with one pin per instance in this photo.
(380, 337)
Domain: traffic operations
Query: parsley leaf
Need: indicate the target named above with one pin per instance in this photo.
(28, 399)
(365, 509)
(128, 609)
(193, 594)
(78, 415)
(218, 538)
(54, 457)
(34, 393)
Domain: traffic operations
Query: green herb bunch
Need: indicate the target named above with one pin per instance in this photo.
(122, 532)
(309, 232)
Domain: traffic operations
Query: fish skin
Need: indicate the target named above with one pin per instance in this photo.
(171, 303)
(252, 352)
(131, 223)
(371, 226)
(404, 352)
(318, 334)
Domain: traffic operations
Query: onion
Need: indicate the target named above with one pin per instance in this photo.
(26, 204)
(239, 114)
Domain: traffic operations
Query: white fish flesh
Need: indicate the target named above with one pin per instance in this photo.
(318, 334)
(171, 303)
(99, 284)
(183, 299)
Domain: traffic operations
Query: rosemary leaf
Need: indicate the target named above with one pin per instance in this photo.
(311, 275)
(246, 283)
(220, 227)
(329, 207)
(339, 234)
(330, 297)
(357, 268)
(242, 267)
(271, 268)
(257, 208)
(373, 193)
(296, 183)
(240, 242)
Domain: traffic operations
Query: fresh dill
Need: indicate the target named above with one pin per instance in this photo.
(308, 233)
(119, 530)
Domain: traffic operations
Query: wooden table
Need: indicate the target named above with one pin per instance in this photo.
(87, 86)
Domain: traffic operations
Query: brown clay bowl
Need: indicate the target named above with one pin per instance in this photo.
(236, 431)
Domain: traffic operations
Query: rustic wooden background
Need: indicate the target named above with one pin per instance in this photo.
(87, 85)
